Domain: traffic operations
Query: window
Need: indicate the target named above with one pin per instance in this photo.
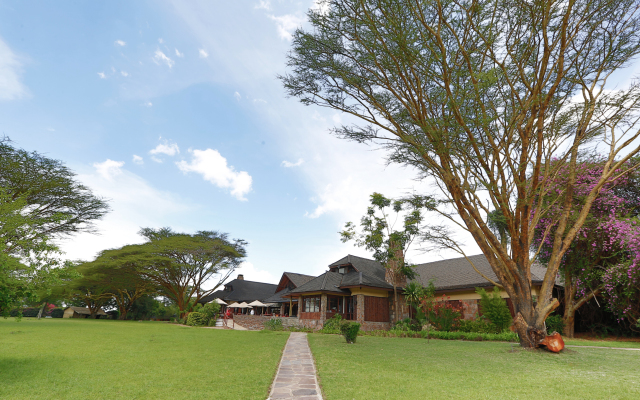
(335, 304)
(341, 270)
(311, 304)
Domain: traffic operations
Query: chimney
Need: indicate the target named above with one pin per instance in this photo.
(240, 277)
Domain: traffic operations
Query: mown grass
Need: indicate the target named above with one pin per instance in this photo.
(401, 368)
(102, 359)
(602, 343)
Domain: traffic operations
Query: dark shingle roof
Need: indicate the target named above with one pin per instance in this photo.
(242, 291)
(362, 279)
(327, 282)
(369, 267)
(298, 279)
(277, 298)
(457, 273)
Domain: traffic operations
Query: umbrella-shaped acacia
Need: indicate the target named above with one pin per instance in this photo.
(180, 264)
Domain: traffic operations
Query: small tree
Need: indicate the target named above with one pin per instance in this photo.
(389, 245)
(495, 308)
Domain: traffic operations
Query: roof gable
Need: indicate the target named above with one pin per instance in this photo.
(327, 282)
(370, 267)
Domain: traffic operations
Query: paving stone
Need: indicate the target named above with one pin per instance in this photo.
(296, 378)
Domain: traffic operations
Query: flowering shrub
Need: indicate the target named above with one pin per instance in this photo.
(442, 313)
(605, 255)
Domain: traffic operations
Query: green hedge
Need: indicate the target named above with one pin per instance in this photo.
(57, 313)
(507, 336)
(26, 312)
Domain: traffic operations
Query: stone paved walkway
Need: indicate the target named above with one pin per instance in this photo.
(296, 377)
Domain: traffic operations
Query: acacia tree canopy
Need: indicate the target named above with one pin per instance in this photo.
(180, 264)
(481, 96)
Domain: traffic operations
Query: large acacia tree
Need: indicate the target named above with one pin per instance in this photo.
(183, 267)
(480, 96)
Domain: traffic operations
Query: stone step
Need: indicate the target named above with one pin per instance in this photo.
(220, 322)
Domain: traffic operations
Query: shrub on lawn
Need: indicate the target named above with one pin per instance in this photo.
(274, 324)
(26, 312)
(350, 331)
(196, 319)
(57, 313)
(554, 324)
(495, 308)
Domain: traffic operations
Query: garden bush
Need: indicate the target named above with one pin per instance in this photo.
(332, 325)
(210, 313)
(350, 331)
(479, 325)
(554, 324)
(495, 308)
(57, 313)
(442, 314)
(196, 319)
(274, 324)
(407, 325)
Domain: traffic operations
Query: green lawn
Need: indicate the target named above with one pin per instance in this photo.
(601, 343)
(400, 368)
(101, 359)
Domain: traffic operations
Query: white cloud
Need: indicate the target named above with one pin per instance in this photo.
(102, 75)
(148, 104)
(161, 57)
(120, 43)
(109, 168)
(124, 73)
(259, 101)
(213, 168)
(263, 4)
(170, 149)
(203, 53)
(178, 54)
(138, 160)
(237, 96)
(287, 24)
(160, 40)
(288, 164)
(50, 129)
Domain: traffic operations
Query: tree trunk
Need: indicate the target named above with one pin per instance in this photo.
(396, 314)
(569, 320)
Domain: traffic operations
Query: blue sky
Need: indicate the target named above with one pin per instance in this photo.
(172, 110)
